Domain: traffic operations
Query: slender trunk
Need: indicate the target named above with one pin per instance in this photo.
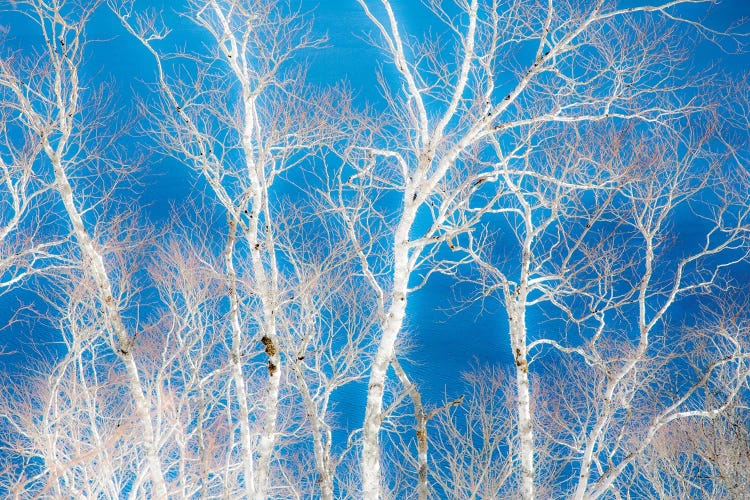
(268, 434)
(94, 265)
(420, 427)
(523, 402)
(525, 429)
(588, 455)
(267, 286)
(422, 449)
(266, 281)
(391, 327)
(371, 430)
(53, 464)
(238, 378)
(322, 456)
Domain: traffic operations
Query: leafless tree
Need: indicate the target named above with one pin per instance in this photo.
(553, 156)
(467, 112)
(51, 109)
(326, 333)
(700, 457)
(595, 263)
(238, 121)
(23, 249)
(473, 443)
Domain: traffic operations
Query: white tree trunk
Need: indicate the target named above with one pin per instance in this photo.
(518, 341)
(268, 434)
(420, 425)
(322, 455)
(267, 286)
(525, 420)
(391, 326)
(94, 265)
(371, 429)
(238, 378)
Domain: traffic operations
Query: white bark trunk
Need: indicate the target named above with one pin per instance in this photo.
(266, 283)
(525, 423)
(518, 339)
(371, 430)
(94, 265)
(268, 434)
(322, 453)
(238, 378)
(391, 326)
(420, 427)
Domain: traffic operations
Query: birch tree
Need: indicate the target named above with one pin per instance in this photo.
(49, 102)
(241, 120)
(471, 106)
(199, 125)
(641, 440)
(662, 282)
(326, 333)
(73, 412)
(604, 262)
(558, 157)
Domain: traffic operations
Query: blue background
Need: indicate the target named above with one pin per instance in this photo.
(441, 346)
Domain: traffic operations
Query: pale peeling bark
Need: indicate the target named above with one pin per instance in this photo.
(259, 170)
(517, 305)
(267, 440)
(65, 101)
(420, 182)
(94, 266)
(265, 280)
(523, 406)
(267, 286)
(391, 327)
(238, 378)
(371, 430)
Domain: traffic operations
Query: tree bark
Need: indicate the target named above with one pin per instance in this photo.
(94, 266)
(391, 326)
(420, 427)
(523, 403)
(238, 378)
